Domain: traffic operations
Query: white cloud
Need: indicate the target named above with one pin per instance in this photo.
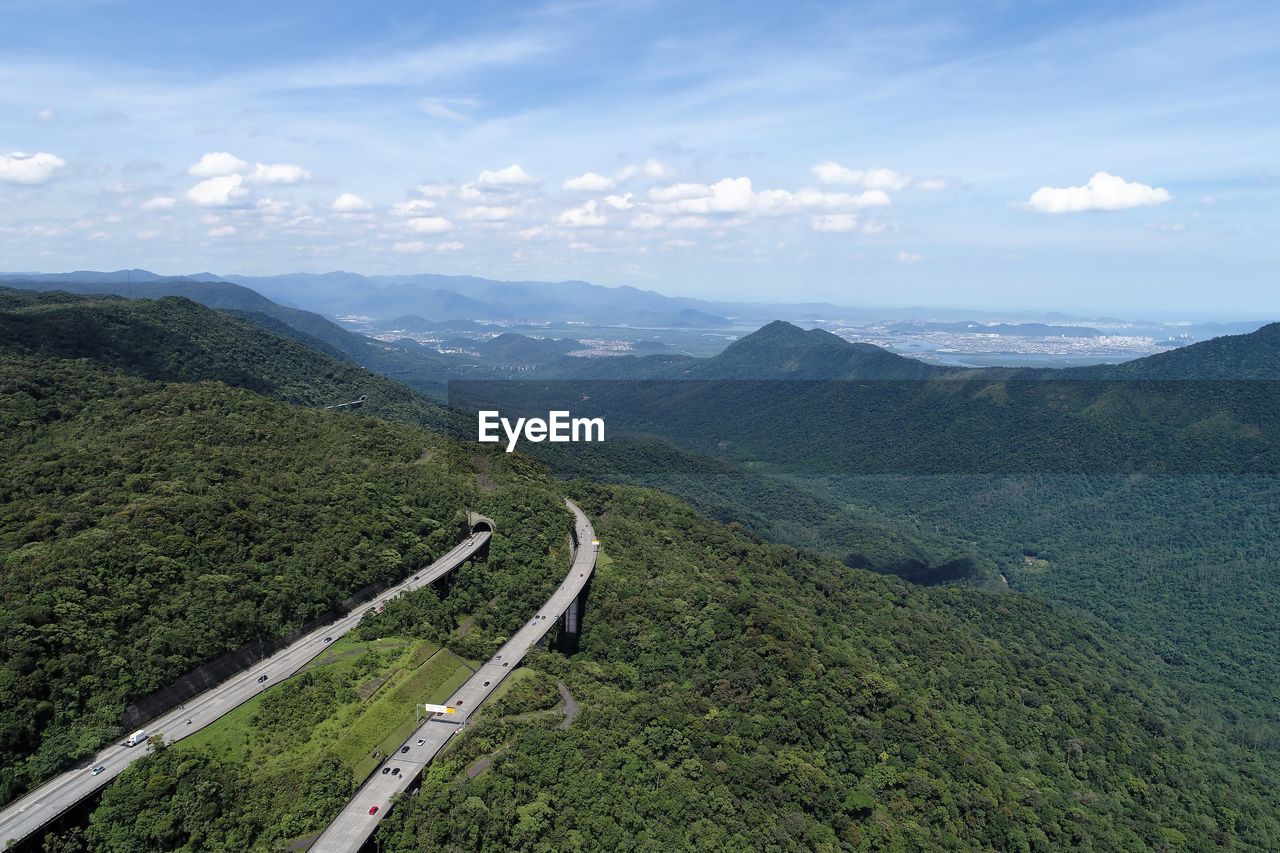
(512, 176)
(590, 182)
(731, 195)
(46, 115)
(650, 169)
(838, 222)
(413, 207)
(1103, 192)
(435, 190)
(581, 217)
(487, 213)
(30, 169)
(350, 203)
(429, 225)
(735, 195)
(217, 164)
(905, 257)
(872, 179)
(620, 202)
(160, 202)
(224, 231)
(680, 191)
(932, 184)
(277, 173)
(217, 192)
(778, 201)
(419, 246)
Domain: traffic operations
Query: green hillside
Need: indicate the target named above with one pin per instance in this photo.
(739, 695)
(1148, 501)
(146, 527)
(175, 339)
(732, 690)
(425, 370)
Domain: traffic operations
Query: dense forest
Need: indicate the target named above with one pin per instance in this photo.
(156, 510)
(740, 695)
(147, 527)
(178, 340)
(1149, 501)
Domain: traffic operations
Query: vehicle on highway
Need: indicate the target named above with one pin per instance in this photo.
(404, 749)
(373, 809)
(415, 577)
(140, 736)
(98, 769)
(261, 678)
(421, 741)
(328, 639)
(386, 770)
(395, 771)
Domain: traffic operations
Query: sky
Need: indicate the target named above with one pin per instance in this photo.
(1082, 156)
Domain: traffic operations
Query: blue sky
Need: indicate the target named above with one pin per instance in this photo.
(1093, 157)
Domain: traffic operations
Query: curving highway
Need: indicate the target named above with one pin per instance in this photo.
(353, 826)
(25, 816)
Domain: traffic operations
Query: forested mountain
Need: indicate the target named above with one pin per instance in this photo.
(1149, 501)
(740, 695)
(146, 527)
(734, 693)
(510, 347)
(175, 339)
(1255, 355)
(426, 370)
(446, 297)
(783, 351)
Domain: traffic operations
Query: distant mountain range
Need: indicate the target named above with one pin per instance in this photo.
(443, 298)
(442, 301)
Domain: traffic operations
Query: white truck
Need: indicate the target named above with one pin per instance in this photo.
(140, 736)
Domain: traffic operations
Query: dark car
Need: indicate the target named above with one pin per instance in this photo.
(404, 749)
(328, 639)
(261, 678)
(395, 771)
(386, 770)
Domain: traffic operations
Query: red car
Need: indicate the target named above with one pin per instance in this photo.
(373, 810)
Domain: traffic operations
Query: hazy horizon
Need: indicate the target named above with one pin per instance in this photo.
(1166, 316)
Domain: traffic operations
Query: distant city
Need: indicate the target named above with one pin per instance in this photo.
(965, 344)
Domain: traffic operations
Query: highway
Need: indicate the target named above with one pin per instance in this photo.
(355, 824)
(28, 814)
